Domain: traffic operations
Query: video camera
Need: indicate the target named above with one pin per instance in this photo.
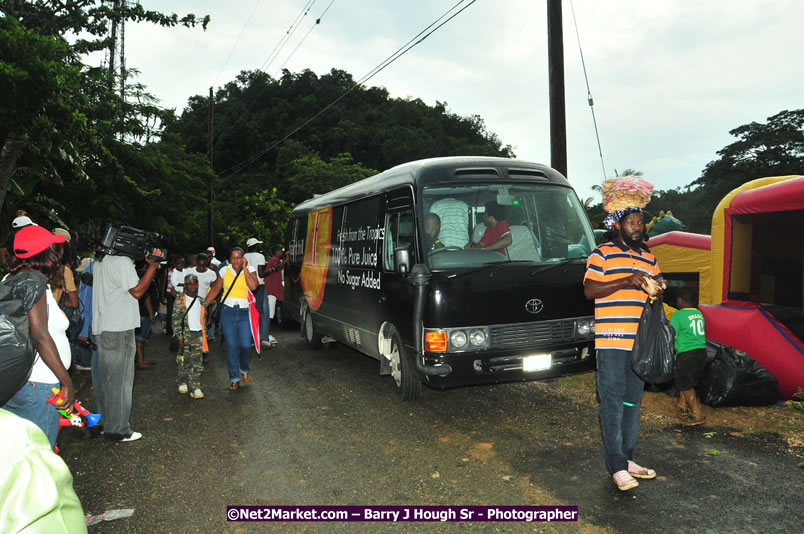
(132, 243)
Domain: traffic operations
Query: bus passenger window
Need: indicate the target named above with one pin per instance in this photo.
(399, 232)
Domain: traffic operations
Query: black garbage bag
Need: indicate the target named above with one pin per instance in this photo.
(18, 294)
(653, 357)
(733, 378)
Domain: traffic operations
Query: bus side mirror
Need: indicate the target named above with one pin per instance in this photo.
(402, 260)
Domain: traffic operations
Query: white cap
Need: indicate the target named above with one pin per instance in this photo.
(211, 249)
(62, 231)
(253, 241)
(19, 222)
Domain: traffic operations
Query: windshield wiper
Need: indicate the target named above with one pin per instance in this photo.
(486, 266)
(557, 264)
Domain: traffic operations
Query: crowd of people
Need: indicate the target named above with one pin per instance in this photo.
(98, 313)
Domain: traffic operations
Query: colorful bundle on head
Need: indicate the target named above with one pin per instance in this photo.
(625, 192)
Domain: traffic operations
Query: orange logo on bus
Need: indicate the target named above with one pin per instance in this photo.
(316, 256)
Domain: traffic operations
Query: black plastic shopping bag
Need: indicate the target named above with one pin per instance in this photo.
(654, 348)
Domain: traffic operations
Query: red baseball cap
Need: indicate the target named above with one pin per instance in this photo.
(31, 240)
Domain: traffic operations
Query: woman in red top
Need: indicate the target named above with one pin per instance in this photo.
(498, 233)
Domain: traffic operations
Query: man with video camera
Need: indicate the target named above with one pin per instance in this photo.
(115, 315)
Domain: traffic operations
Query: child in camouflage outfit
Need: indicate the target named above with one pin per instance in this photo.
(189, 324)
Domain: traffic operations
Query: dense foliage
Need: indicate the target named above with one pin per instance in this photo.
(364, 132)
(73, 151)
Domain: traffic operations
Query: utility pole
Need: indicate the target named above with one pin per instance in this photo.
(209, 181)
(113, 43)
(555, 62)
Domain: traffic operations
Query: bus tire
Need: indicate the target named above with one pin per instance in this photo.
(311, 333)
(403, 371)
(282, 319)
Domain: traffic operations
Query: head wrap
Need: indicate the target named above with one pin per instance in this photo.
(613, 218)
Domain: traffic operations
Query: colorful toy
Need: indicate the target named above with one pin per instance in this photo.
(75, 419)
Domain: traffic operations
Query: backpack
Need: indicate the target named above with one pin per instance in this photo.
(18, 294)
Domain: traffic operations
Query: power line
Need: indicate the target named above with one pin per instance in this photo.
(588, 91)
(270, 59)
(373, 72)
(236, 41)
(317, 22)
(288, 34)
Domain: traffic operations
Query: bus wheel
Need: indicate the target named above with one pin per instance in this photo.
(312, 334)
(282, 319)
(407, 380)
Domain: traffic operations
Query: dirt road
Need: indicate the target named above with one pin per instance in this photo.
(322, 427)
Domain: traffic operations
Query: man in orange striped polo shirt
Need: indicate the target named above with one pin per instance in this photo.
(616, 273)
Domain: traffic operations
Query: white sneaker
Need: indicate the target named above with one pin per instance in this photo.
(133, 437)
(183, 389)
(197, 394)
(272, 340)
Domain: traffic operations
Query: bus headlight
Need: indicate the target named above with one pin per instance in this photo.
(586, 327)
(477, 337)
(458, 339)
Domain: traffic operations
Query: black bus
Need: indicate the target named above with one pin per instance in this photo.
(363, 272)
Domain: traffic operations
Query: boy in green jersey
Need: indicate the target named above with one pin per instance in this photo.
(688, 322)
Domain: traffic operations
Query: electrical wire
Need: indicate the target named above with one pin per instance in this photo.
(373, 72)
(588, 91)
(288, 34)
(236, 42)
(317, 22)
(270, 59)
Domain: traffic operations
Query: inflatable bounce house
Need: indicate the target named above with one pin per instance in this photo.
(749, 274)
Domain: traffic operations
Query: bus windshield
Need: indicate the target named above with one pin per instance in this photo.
(546, 224)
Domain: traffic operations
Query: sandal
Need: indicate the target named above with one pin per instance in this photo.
(234, 386)
(637, 471)
(246, 377)
(691, 419)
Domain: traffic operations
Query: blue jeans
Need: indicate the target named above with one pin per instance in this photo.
(265, 313)
(620, 392)
(30, 403)
(237, 332)
(211, 313)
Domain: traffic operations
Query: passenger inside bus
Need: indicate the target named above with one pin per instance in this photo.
(432, 227)
(454, 216)
(498, 234)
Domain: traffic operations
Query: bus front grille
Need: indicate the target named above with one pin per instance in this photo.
(532, 334)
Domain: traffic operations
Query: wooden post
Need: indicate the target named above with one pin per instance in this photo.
(555, 62)
(209, 181)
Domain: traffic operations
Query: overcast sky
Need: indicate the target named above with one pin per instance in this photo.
(669, 78)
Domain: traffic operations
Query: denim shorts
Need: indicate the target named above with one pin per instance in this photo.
(141, 334)
(30, 403)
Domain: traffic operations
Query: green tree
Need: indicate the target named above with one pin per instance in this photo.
(62, 126)
(264, 215)
(254, 112)
(40, 82)
(774, 148)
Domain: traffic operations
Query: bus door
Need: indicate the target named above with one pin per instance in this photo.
(396, 294)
